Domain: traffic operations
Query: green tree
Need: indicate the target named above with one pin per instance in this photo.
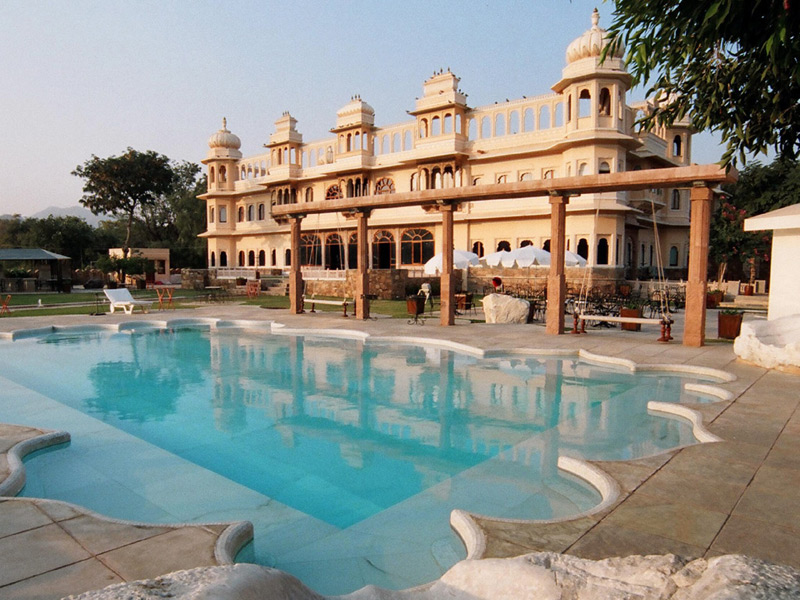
(125, 185)
(70, 236)
(732, 66)
(760, 188)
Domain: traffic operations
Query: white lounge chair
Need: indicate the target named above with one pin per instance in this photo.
(121, 298)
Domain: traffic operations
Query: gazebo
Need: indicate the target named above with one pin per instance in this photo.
(46, 270)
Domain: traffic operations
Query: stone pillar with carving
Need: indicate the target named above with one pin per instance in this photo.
(362, 276)
(556, 279)
(446, 295)
(694, 329)
(295, 274)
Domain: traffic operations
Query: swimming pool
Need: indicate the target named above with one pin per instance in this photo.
(347, 454)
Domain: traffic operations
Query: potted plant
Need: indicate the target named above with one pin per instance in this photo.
(729, 323)
(631, 308)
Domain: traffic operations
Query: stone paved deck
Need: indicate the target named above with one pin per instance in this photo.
(736, 496)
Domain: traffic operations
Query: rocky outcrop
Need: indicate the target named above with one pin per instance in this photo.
(770, 344)
(539, 576)
(500, 308)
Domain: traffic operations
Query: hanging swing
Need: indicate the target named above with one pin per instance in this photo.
(580, 316)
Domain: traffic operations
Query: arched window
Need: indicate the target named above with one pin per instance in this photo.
(310, 250)
(544, 117)
(352, 251)
(261, 212)
(558, 118)
(582, 168)
(241, 259)
(423, 128)
(651, 255)
(223, 174)
(274, 257)
(513, 122)
(525, 243)
(486, 128)
(472, 129)
(223, 259)
(350, 188)
(675, 202)
(569, 108)
(436, 126)
(526, 176)
(416, 247)
(251, 212)
(546, 245)
(583, 248)
(641, 256)
(527, 121)
(240, 214)
(334, 252)
(677, 146)
(396, 142)
(602, 251)
(584, 103)
(309, 194)
(287, 257)
(502, 179)
(383, 250)
(223, 218)
(604, 103)
(604, 168)
(211, 177)
(407, 143)
(414, 183)
(211, 215)
(333, 193)
(503, 245)
(500, 124)
(213, 259)
(477, 248)
(251, 259)
(262, 258)
(448, 123)
(673, 256)
(549, 174)
(385, 185)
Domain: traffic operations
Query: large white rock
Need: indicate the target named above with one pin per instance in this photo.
(770, 344)
(538, 576)
(500, 308)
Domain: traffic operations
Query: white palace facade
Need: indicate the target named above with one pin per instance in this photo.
(585, 126)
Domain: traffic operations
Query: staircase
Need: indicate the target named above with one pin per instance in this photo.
(275, 286)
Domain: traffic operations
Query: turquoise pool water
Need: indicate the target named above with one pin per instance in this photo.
(347, 456)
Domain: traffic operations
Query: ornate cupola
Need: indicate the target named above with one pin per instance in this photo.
(594, 89)
(441, 109)
(221, 159)
(355, 122)
(285, 143)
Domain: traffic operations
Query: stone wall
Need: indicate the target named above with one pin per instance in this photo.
(194, 279)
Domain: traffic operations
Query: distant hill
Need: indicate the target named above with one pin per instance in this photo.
(70, 211)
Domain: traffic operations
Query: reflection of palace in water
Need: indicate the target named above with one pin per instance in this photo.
(442, 404)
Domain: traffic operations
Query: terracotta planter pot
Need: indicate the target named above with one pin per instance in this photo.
(630, 312)
(728, 326)
(748, 290)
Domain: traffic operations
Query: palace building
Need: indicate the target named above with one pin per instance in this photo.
(584, 127)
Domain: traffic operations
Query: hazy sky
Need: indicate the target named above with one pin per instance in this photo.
(95, 77)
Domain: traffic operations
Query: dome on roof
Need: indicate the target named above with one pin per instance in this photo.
(591, 42)
(224, 138)
(355, 106)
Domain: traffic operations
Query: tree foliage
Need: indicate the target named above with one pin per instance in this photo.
(125, 185)
(731, 66)
(70, 236)
(760, 188)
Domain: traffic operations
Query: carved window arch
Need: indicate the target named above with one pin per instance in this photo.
(241, 258)
(604, 103)
(383, 250)
(251, 258)
(333, 192)
(262, 258)
(251, 212)
(223, 259)
(309, 194)
(310, 250)
(677, 146)
(675, 203)
(211, 215)
(384, 185)
(261, 212)
(213, 260)
(416, 246)
(240, 214)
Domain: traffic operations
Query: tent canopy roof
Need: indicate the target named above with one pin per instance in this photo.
(29, 254)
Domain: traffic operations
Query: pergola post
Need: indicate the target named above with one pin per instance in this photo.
(362, 275)
(446, 295)
(295, 274)
(556, 279)
(694, 330)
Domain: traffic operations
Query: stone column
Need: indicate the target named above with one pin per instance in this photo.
(556, 279)
(295, 274)
(694, 330)
(362, 276)
(447, 307)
